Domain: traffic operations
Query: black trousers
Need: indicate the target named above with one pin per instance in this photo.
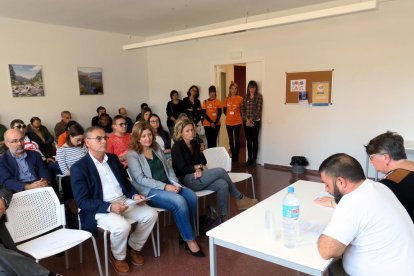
(234, 141)
(252, 140)
(211, 135)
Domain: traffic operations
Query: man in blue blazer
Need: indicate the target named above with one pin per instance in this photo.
(20, 169)
(106, 197)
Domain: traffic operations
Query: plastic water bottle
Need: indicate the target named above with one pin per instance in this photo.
(290, 221)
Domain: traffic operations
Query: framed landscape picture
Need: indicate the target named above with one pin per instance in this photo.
(90, 81)
(26, 80)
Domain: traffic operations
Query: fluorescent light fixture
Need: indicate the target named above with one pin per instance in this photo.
(334, 11)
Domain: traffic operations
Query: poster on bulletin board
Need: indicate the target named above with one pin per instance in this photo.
(314, 87)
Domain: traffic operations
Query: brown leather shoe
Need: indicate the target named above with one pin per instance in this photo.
(245, 202)
(134, 257)
(121, 267)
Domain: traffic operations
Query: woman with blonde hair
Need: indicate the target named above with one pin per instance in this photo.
(232, 106)
(151, 175)
(190, 166)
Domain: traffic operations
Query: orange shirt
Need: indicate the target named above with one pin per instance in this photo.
(211, 107)
(233, 116)
(61, 139)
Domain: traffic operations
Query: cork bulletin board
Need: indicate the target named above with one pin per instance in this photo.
(313, 86)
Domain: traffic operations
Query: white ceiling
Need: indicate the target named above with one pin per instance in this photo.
(142, 17)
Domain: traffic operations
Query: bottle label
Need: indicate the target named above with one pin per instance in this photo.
(291, 212)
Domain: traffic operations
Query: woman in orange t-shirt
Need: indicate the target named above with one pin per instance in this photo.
(211, 113)
(231, 107)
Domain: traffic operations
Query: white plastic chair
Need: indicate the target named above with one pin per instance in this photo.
(38, 211)
(218, 157)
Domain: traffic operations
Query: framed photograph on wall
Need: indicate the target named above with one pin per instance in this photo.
(26, 80)
(90, 81)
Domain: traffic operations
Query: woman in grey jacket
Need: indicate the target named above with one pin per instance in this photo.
(151, 176)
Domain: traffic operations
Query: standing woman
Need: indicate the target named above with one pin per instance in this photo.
(192, 104)
(212, 115)
(232, 106)
(252, 114)
(190, 166)
(174, 108)
(151, 176)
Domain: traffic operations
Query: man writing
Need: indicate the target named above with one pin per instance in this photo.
(119, 139)
(100, 189)
(369, 227)
(20, 169)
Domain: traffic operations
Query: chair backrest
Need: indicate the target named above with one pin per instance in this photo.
(34, 212)
(218, 157)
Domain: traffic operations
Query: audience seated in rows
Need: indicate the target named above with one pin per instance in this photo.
(61, 126)
(100, 110)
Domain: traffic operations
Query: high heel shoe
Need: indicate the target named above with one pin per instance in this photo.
(199, 253)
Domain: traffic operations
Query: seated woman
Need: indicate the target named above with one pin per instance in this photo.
(66, 156)
(190, 166)
(161, 136)
(151, 176)
(387, 155)
(105, 121)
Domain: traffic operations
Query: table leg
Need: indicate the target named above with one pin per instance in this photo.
(213, 261)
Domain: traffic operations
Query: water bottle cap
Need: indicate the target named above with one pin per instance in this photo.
(291, 190)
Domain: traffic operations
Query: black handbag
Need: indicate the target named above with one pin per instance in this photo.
(210, 220)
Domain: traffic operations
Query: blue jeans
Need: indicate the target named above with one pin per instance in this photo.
(183, 207)
(216, 180)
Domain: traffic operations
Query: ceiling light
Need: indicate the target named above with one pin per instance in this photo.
(334, 11)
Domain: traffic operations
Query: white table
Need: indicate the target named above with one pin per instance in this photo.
(246, 232)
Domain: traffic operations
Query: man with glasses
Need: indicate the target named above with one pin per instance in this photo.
(119, 139)
(61, 126)
(369, 227)
(21, 169)
(105, 196)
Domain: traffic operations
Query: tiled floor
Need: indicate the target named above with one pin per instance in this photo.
(174, 259)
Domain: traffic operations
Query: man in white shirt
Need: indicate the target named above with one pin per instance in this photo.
(101, 189)
(369, 227)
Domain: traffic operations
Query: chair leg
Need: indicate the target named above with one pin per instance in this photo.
(98, 261)
(158, 237)
(66, 260)
(106, 251)
(254, 192)
(198, 220)
(154, 244)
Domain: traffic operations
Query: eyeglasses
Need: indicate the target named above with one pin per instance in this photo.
(122, 124)
(371, 156)
(20, 126)
(98, 138)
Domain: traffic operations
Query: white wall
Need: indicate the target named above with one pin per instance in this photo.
(371, 52)
(60, 50)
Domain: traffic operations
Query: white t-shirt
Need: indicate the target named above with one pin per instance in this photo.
(377, 230)
(160, 142)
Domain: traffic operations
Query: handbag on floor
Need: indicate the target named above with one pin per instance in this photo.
(209, 220)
